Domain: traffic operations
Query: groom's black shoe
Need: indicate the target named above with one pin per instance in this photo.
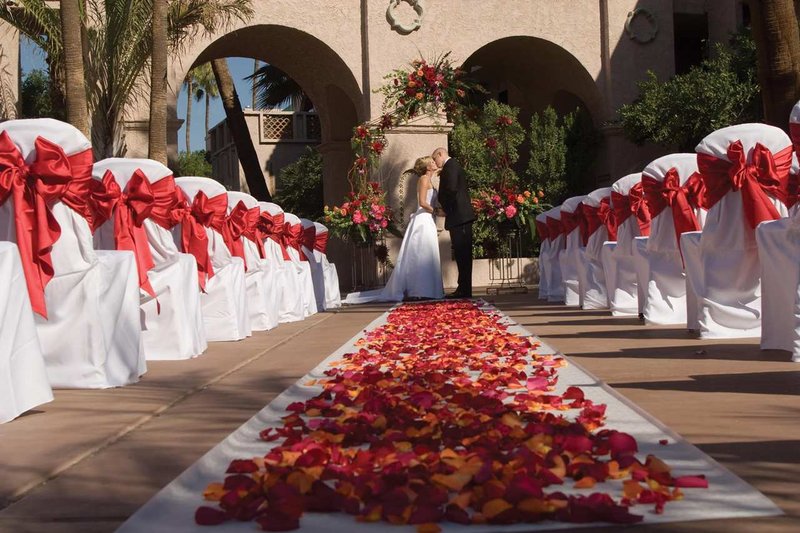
(458, 294)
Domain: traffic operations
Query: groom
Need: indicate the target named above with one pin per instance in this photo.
(455, 200)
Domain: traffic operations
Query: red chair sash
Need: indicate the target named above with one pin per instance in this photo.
(132, 207)
(34, 188)
(272, 227)
(309, 237)
(293, 236)
(590, 221)
(251, 230)
(569, 222)
(321, 242)
(631, 204)
(793, 193)
(606, 215)
(234, 228)
(202, 213)
(541, 229)
(169, 204)
(670, 193)
(768, 173)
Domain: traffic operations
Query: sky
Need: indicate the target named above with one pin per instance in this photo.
(31, 57)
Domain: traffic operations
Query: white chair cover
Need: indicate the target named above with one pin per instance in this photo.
(224, 303)
(91, 337)
(303, 288)
(617, 257)
(23, 378)
(779, 250)
(662, 278)
(290, 285)
(544, 285)
(593, 289)
(552, 256)
(261, 277)
(317, 273)
(722, 263)
(333, 296)
(571, 259)
(172, 323)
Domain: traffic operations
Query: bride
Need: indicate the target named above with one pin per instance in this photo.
(418, 272)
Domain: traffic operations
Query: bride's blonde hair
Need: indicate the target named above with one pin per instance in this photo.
(421, 165)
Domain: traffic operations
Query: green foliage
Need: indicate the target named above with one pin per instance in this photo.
(563, 149)
(193, 164)
(300, 186)
(547, 167)
(467, 144)
(35, 97)
(679, 112)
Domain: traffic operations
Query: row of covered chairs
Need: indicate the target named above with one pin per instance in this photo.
(710, 240)
(106, 265)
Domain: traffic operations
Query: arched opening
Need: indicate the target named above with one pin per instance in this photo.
(321, 74)
(531, 74)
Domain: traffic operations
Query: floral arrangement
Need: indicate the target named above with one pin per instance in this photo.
(508, 205)
(363, 217)
(444, 415)
(424, 87)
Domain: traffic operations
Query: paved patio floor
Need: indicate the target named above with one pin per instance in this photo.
(88, 460)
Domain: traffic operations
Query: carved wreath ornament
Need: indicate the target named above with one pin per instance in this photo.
(405, 28)
(645, 34)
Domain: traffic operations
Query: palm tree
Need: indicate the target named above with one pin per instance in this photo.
(273, 87)
(118, 49)
(239, 131)
(77, 110)
(188, 82)
(157, 138)
(777, 37)
(205, 88)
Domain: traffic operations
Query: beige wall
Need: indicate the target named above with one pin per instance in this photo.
(9, 71)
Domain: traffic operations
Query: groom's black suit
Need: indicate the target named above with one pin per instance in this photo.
(455, 200)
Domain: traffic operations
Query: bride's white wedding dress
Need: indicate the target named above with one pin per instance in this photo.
(418, 271)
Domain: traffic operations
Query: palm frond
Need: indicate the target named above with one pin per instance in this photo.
(189, 18)
(273, 86)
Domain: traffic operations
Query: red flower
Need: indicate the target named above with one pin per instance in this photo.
(361, 132)
(491, 143)
(377, 147)
(504, 121)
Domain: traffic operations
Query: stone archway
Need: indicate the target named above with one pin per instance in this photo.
(319, 70)
(531, 73)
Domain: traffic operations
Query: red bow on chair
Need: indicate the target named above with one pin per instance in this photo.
(670, 193)
(195, 218)
(541, 229)
(569, 222)
(293, 237)
(590, 221)
(554, 228)
(252, 231)
(631, 204)
(34, 188)
(273, 227)
(133, 206)
(606, 215)
(767, 174)
(309, 237)
(321, 242)
(235, 226)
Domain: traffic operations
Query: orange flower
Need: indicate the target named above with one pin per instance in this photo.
(419, 96)
(527, 194)
(520, 199)
(535, 200)
(540, 194)
(412, 83)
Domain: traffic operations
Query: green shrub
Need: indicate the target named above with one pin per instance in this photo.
(193, 164)
(300, 186)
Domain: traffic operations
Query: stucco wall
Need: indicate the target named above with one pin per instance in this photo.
(9, 71)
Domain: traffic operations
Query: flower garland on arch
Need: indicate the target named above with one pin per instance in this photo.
(422, 88)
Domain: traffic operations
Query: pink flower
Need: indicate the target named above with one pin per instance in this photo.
(496, 199)
(511, 211)
(384, 223)
(358, 218)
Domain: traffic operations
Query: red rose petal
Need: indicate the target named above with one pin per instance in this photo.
(208, 516)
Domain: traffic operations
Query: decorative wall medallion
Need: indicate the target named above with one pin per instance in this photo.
(404, 28)
(646, 25)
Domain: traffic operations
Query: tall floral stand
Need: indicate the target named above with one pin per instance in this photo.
(505, 274)
(366, 272)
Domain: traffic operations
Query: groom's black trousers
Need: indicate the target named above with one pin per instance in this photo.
(461, 239)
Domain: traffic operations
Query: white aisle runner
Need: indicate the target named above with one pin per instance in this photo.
(172, 509)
